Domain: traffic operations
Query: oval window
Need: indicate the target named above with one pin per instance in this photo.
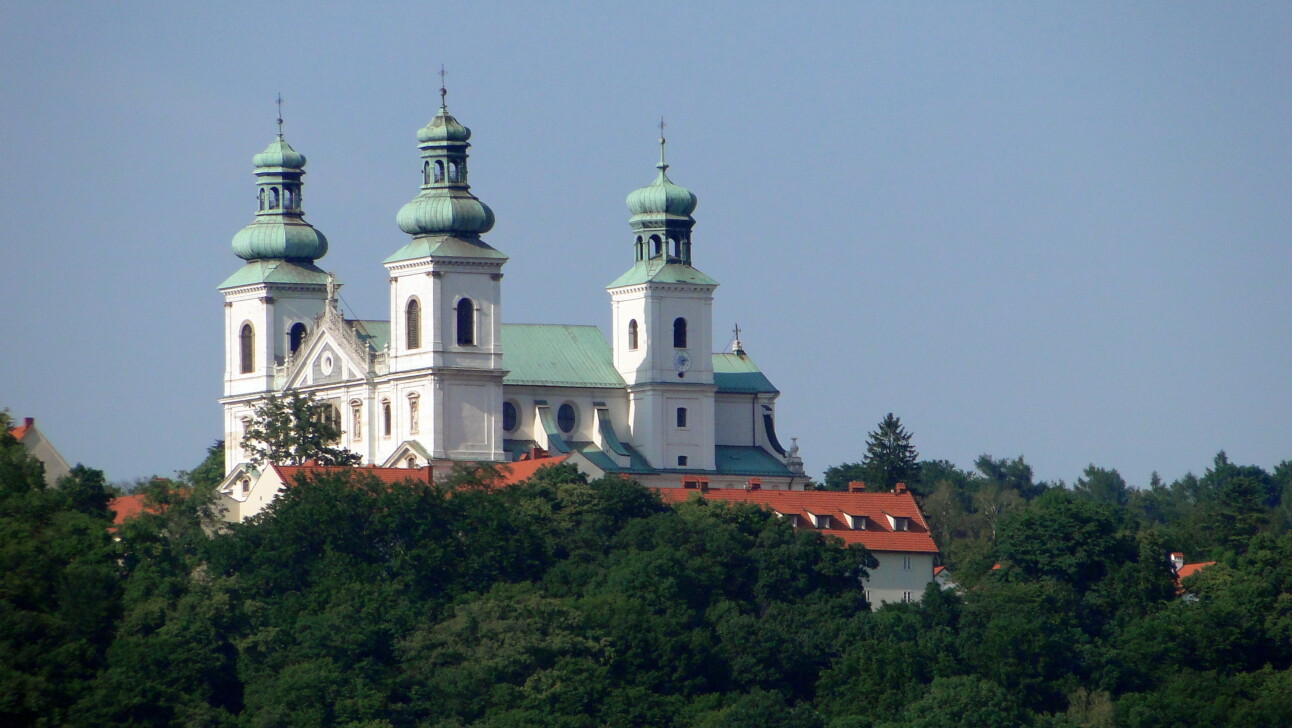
(565, 418)
(508, 416)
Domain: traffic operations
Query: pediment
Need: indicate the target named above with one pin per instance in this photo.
(408, 449)
(330, 354)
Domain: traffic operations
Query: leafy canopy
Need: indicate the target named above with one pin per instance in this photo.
(293, 429)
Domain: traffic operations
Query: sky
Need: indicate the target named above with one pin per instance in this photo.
(1056, 231)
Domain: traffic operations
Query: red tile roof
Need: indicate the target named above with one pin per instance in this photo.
(1191, 569)
(21, 430)
(288, 473)
(878, 534)
(523, 469)
(126, 506)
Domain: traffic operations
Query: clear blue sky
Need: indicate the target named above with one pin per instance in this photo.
(1062, 231)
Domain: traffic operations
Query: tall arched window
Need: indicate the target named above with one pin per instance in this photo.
(439, 171)
(679, 333)
(639, 247)
(426, 173)
(273, 198)
(453, 171)
(260, 198)
(466, 322)
(356, 419)
(247, 345)
(296, 336)
(632, 335)
(655, 246)
(413, 323)
(385, 418)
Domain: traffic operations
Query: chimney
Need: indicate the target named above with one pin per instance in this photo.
(899, 488)
(856, 486)
(28, 421)
(537, 452)
(754, 484)
(1177, 560)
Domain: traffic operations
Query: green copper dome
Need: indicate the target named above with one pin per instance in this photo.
(443, 128)
(445, 212)
(662, 197)
(445, 205)
(279, 231)
(279, 154)
(270, 238)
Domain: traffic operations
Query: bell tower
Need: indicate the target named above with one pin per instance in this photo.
(661, 318)
(446, 301)
(273, 299)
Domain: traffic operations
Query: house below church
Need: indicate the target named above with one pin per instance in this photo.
(39, 447)
(441, 379)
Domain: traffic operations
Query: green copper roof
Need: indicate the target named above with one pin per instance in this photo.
(738, 373)
(276, 271)
(375, 334)
(445, 246)
(744, 460)
(279, 155)
(661, 197)
(279, 236)
(658, 271)
(557, 355)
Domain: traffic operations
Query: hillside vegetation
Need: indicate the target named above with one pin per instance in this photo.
(560, 602)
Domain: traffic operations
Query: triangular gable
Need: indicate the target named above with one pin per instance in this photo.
(408, 449)
(330, 336)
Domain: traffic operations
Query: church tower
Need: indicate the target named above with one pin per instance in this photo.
(445, 305)
(661, 317)
(272, 300)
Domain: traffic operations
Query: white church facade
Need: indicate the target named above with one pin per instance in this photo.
(442, 379)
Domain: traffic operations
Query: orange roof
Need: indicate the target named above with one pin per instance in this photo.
(288, 473)
(523, 469)
(938, 570)
(21, 430)
(1191, 569)
(126, 506)
(878, 534)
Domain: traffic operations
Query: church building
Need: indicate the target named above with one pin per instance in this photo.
(441, 379)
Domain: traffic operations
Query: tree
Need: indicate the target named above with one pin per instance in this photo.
(890, 457)
(293, 429)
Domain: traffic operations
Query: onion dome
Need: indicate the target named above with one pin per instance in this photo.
(279, 231)
(445, 205)
(279, 154)
(662, 197)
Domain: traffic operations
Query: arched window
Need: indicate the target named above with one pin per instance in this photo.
(565, 418)
(426, 173)
(385, 418)
(273, 198)
(296, 336)
(247, 345)
(632, 335)
(412, 414)
(686, 251)
(356, 419)
(330, 415)
(413, 323)
(453, 171)
(639, 248)
(462, 171)
(439, 171)
(260, 199)
(655, 246)
(509, 419)
(411, 462)
(679, 333)
(466, 322)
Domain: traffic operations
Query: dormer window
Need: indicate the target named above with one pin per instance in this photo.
(856, 523)
(820, 520)
(793, 518)
(899, 523)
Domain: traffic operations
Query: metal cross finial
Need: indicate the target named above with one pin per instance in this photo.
(443, 92)
(662, 164)
(280, 116)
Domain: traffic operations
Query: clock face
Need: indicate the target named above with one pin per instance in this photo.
(682, 361)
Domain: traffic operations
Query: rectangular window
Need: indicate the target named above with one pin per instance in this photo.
(681, 417)
(681, 461)
(906, 596)
(906, 563)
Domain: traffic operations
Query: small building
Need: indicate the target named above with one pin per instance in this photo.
(889, 525)
(39, 447)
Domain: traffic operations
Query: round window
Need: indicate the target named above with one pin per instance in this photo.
(508, 416)
(565, 418)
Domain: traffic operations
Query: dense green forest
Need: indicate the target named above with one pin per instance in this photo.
(562, 602)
